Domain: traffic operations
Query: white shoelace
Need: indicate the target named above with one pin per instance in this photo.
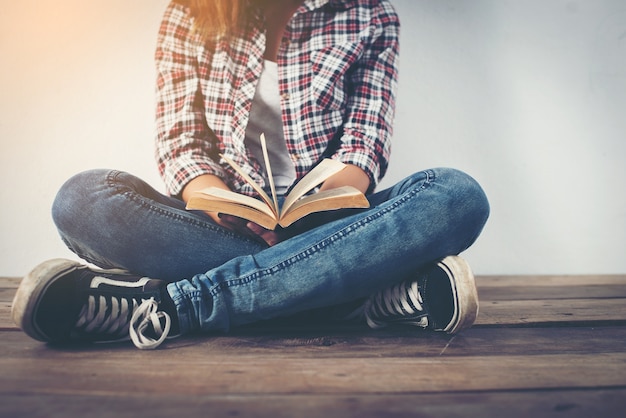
(144, 316)
(94, 318)
(403, 299)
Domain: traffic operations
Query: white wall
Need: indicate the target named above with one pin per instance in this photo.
(527, 95)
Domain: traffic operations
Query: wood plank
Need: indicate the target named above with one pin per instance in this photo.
(501, 293)
(474, 342)
(310, 362)
(550, 280)
(552, 312)
(6, 323)
(606, 403)
(119, 373)
(408, 342)
(9, 282)
(357, 343)
(543, 346)
(6, 295)
(550, 287)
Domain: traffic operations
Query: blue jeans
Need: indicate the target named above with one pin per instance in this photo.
(220, 279)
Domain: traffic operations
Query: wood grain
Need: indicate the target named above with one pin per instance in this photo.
(547, 346)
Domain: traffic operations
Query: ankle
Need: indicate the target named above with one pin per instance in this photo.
(168, 306)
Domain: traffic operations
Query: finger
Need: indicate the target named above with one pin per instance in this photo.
(235, 224)
(232, 220)
(256, 228)
(269, 236)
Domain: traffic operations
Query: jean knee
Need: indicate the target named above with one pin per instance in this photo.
(467, 195)
(468, 188)
(75, 197)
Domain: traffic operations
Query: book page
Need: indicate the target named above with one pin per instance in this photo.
(270, 176)
(315, 177)
(241, 199)
(252, 183)
(339, 198)
(218, 200)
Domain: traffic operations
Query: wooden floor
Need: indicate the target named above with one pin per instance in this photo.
(542, 347)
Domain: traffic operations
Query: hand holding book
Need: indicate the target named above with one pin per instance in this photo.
(297, 204)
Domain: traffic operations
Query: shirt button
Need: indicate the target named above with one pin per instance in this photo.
(285, 96)
(295, 157)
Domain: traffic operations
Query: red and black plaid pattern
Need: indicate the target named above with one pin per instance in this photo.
(337, 79)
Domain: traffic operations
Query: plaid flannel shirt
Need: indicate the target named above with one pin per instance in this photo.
(337, 79)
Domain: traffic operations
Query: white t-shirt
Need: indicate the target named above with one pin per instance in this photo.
(265, 117)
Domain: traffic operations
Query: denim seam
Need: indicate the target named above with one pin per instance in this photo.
(138, 198)
(182, 302)
(343, 233)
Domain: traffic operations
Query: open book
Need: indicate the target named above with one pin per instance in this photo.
(296, 205)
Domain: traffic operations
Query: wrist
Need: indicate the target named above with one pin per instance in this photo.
(351, 175)
(202, 182)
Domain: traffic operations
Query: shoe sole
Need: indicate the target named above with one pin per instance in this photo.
(30, 291)
(464, 286)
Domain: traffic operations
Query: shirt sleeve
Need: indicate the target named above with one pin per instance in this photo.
(371, 107)
(185, 146)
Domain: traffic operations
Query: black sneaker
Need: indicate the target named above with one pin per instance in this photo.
(442, 298)
(62, 301)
